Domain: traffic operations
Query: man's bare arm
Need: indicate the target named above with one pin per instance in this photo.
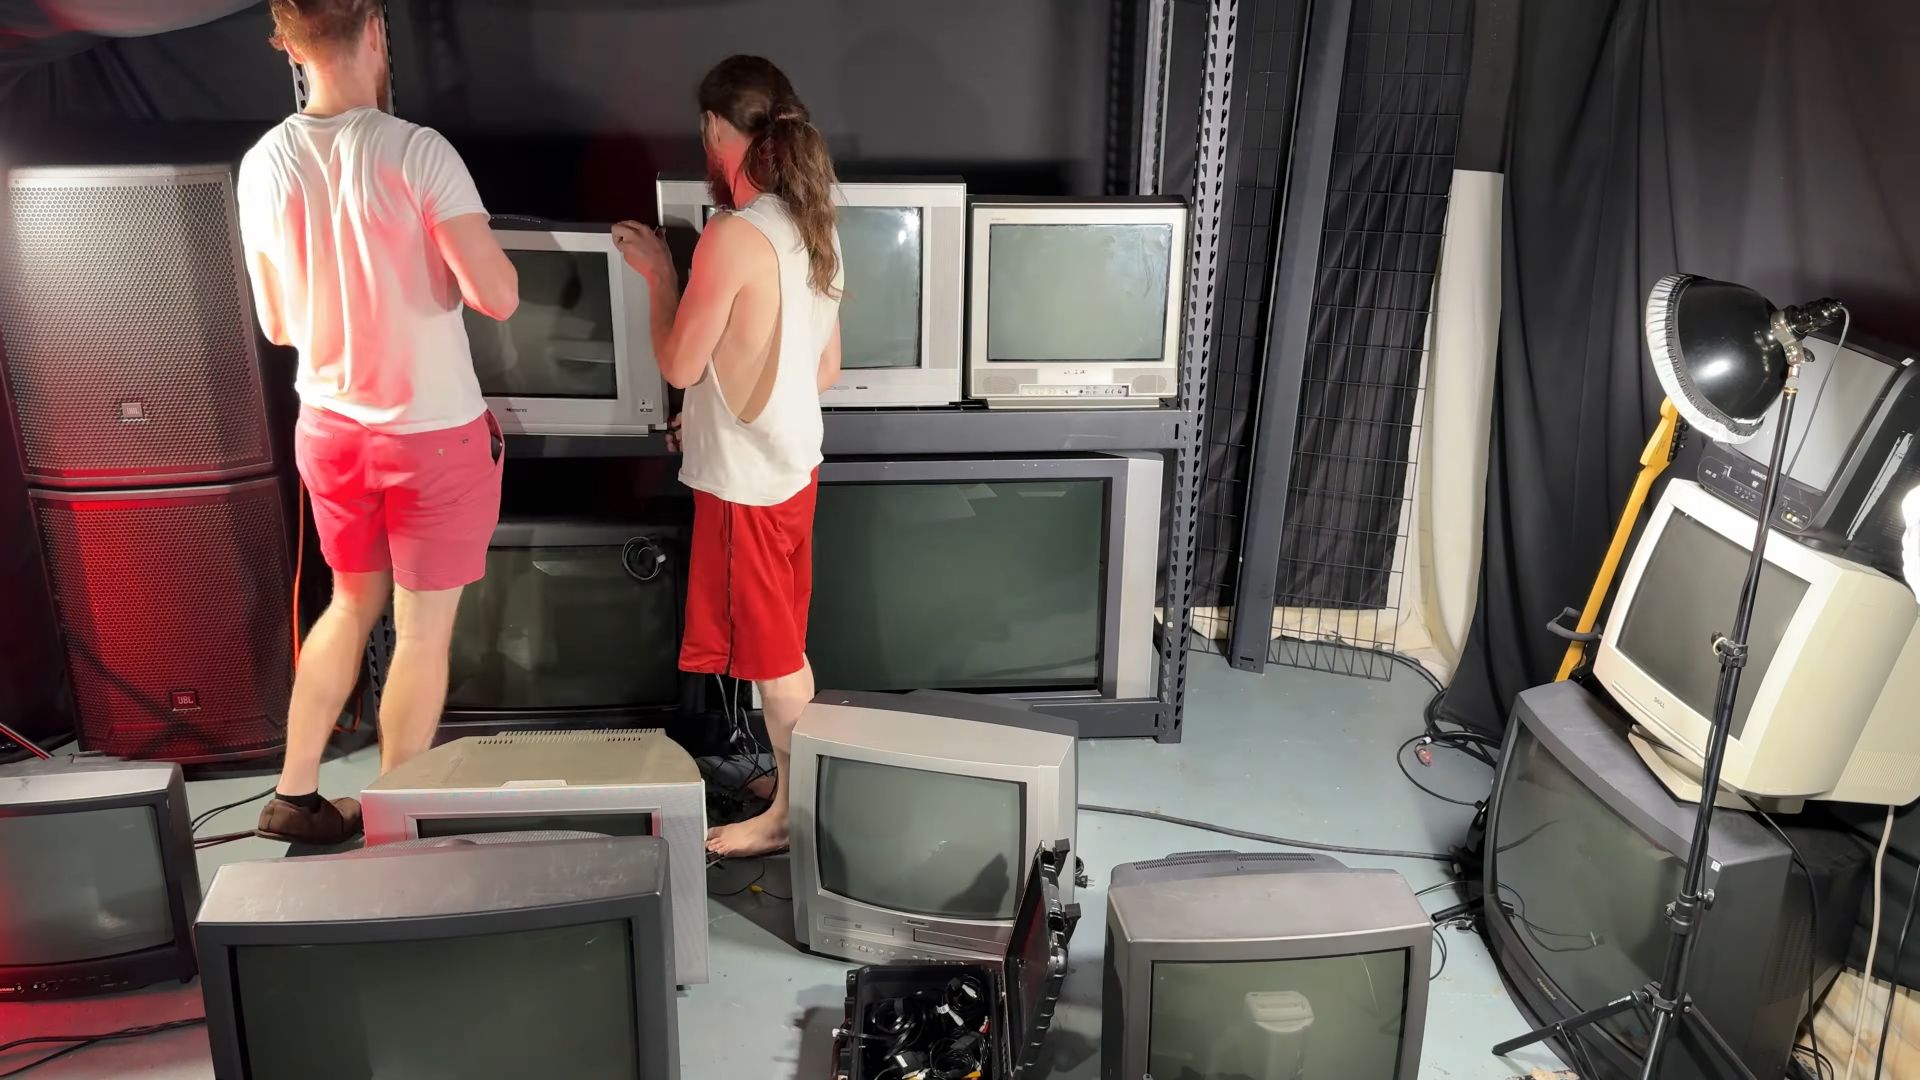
(687, 328)
(488, 282)
(266, 299)
(830, 359)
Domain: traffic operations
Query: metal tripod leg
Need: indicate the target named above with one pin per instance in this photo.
(1565, 1028)
(1692, 1016)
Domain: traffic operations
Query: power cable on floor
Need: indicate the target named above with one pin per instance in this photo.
(1265, 838)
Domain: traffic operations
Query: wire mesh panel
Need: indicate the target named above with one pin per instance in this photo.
(1343, 551)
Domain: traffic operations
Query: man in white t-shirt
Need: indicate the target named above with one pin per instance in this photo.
(363, 236)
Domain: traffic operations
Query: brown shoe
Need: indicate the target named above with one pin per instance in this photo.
(331, 823)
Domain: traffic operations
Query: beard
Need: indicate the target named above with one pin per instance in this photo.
(719, 188)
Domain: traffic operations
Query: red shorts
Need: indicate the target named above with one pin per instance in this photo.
(423, 504)
(749, 581)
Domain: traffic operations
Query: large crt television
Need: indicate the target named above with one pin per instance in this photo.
(904, 245)
(496, 957)
(98, 883)
(576, 624)
(1826, 633)
(1277, 965)
(1584, 847)
(1022, 576)
(1851, 455)
(614, 783)
(915, 818)
(576, 357)
(1075, 302)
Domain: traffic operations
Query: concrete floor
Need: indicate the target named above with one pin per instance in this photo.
(1304, 754)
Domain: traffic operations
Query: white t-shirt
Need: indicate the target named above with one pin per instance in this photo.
(343, 207)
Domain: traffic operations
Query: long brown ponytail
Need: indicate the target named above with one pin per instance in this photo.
(787, 155)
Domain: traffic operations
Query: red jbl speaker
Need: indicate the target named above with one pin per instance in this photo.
(130, 352)
(177, 617)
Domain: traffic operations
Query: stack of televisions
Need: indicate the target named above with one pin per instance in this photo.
(534, 898)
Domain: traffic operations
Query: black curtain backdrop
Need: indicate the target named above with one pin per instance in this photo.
(1768, 142)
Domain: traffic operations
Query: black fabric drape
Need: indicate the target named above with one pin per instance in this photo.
(1767, 142)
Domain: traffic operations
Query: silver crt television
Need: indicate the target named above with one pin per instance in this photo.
(1221, 964)
(615, 783)
(914, 821)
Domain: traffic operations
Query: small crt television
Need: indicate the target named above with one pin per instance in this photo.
(1019, 576)
(904, 244)
(914, 821)
(98, 883)
(576, 624)
(487, 958)
(1852, 455)
(1220, 964)
(1076, 302)
(614, 783)
(576, 357)
(1826, 633)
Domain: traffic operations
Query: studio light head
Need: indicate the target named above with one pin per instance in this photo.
(1722, 352)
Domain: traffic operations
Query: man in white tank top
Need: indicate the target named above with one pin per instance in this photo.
(754, 341)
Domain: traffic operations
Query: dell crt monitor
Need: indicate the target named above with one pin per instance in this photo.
(1076, 302)
(915, 818)
(904, 249)
(576, 357)
(576, 624)
(1222, 966)
(1825, 635)
(615, 783)
(98, 883)
(1019, 576)
(497, 957)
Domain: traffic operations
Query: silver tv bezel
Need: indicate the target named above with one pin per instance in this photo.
(943, 259)
(1128, 664)
(1045, 763)
(639, 404)
(1067, 384)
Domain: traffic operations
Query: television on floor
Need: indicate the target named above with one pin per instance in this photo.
(1076, 302)
(904, 243)
(616, 783)
(1279, 965)
(576, 357)
(1851, 457)
(575, 625)
(486, 958)
(1826, 632)
(1584, 847)
(1019, 576)
(914, 820)
(98, 883)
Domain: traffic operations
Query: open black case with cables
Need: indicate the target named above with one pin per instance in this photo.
(965, 1021)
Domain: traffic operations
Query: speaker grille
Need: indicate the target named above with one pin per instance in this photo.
(129, 332)
(177, 618)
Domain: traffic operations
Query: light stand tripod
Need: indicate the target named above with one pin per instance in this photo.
(1665, 1002)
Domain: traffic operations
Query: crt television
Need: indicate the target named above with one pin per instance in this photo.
(1021, 576)
(1584, 847)
(486, 958)
(1825, 635)
(576, 624)
(905, 247)
(1075, 302)
(1220, 964)
(576, 357)
(616, 783)
(98, 883)
(914, 821)
(1851, 457)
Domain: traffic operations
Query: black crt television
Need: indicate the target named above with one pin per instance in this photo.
(576, 624)
(493, 957)
(98, 883)
(1585, 847)
(1850, 458)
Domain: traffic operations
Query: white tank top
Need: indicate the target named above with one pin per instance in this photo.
(770, 460)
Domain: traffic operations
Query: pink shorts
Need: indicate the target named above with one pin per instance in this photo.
(423, 504)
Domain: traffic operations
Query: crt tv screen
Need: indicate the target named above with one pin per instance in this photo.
(560, 341)
(1066, 293)
(1329, 1016)
(1837, 398)
(82, 885)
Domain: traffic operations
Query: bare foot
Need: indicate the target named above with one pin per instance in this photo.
(764, 835)
(762, 787)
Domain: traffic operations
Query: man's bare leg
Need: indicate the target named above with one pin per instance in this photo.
(781, 701)
(416, 691)
(330, 662)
